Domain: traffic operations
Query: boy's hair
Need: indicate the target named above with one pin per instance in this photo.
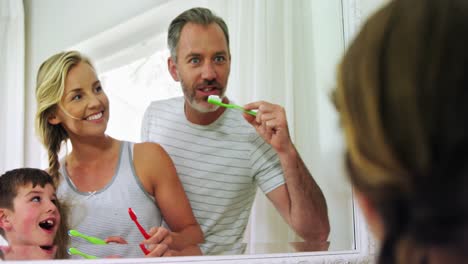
(12, 180)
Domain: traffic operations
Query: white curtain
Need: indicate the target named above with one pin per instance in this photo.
(269, 61)
(12, 89)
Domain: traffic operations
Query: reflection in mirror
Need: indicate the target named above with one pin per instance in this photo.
(281, 52)
(148, 74)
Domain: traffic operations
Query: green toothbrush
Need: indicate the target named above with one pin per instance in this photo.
(90, 239)
(75, 251)
(216, 100)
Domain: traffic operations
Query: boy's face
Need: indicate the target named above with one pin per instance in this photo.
(35, 218)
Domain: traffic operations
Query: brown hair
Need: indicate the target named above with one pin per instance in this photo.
(402, 97)
(196, 15)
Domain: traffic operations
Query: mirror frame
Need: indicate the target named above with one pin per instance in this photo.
(365, 246)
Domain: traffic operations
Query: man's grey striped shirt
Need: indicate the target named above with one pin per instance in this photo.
(220, 166)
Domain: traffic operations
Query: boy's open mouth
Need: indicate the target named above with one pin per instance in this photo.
(47, 224)
(49, 250)
(47, 247)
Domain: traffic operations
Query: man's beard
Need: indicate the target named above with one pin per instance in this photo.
(200, 104)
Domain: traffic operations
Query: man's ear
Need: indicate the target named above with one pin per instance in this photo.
(172, 67)
(5, 222)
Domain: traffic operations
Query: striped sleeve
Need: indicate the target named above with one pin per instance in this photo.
(266, 166)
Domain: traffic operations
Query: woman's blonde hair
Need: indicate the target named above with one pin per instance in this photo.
(50, 87)
(402, 97)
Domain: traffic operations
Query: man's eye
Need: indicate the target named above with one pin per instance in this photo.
(36, 199)
(220, 59)
(194, 60)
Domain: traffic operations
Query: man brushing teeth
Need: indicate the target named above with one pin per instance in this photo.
(230, 153)
(196, 97)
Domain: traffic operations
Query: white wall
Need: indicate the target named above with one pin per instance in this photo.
(370, 6)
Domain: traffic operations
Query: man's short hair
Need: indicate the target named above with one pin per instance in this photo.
(197, 15)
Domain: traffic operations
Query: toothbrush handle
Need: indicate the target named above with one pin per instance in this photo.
(142, 230)
(250, 112)
(90, 239)
(96, 241)
(87, 256)
(93, 240)
(144, 249)
(75, 251)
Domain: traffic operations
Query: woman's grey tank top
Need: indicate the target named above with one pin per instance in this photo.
(104, 213)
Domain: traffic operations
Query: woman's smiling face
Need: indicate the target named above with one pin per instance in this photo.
(84, 107)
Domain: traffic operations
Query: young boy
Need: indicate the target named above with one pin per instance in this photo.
(31, 215)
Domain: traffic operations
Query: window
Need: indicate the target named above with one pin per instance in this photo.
(132, 87)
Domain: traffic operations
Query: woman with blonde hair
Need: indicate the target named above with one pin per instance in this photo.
(102, 177)
(402, 97)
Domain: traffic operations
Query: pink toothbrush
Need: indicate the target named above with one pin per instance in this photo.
(134, 218)
(144, 249)
(142, 230)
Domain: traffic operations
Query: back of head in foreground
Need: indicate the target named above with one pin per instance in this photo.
(402, 97)
(18, 188)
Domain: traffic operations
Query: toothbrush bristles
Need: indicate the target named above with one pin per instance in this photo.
(215, 98)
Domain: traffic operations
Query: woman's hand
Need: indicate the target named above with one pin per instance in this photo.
(115, 239)
(159, 244)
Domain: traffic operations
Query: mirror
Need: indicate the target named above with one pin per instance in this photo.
(312, 36)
